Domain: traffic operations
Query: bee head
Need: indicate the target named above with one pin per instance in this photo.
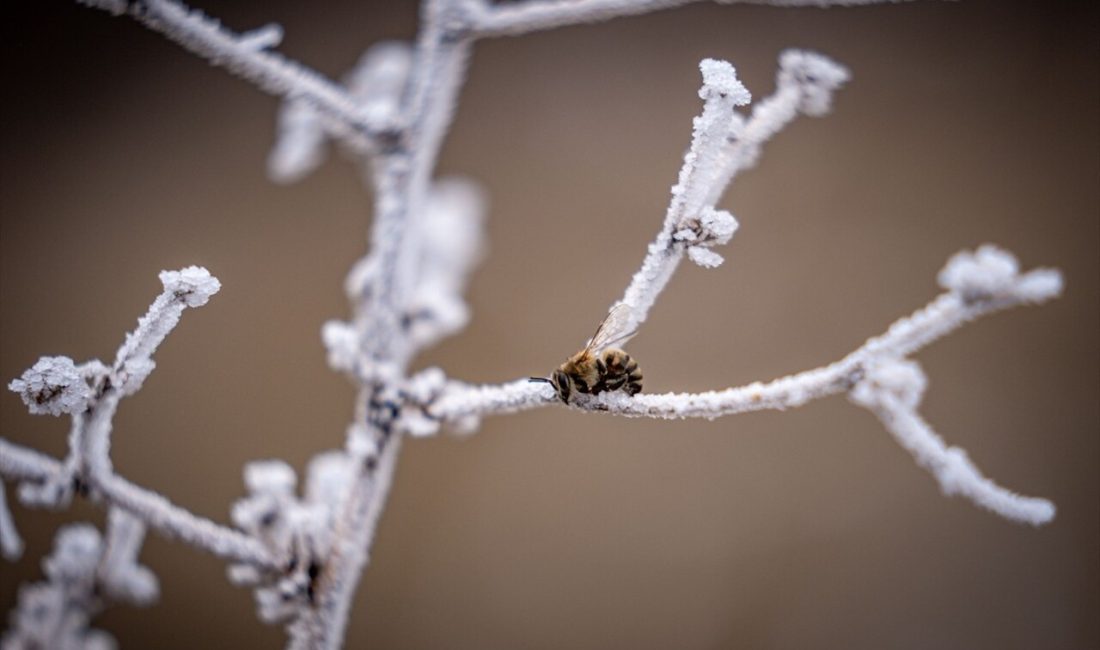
(563, 384)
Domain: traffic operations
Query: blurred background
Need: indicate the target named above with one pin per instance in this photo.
(964, 123)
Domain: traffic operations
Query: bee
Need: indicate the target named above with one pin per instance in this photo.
(600, 366)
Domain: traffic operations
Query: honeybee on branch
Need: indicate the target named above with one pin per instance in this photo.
(600, 366)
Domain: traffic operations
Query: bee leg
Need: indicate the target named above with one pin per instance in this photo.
(601, 367)
(581, 385)
(633, 377)
(615, 383)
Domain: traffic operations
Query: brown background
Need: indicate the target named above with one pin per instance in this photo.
(965, 122)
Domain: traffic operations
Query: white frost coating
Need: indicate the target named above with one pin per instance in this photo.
(379, 80)
(122, 577)
(11, 545)
(704, 257)
(990, 271)
(245, 55)
(904, 337)
(375, 84)
(721, 92)
(451, 246)
(720, 77)
(342, 344)
(262, 38)
(902, 380)
(52, 386)
(297, 531)
(815, 76)
(892, 390)
(188, 287)
(88, 466)
(56, 613)
(420, 390)
(299, 142)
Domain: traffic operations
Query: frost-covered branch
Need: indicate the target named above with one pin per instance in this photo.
(892, 390)
(977, 284)
(515, 18)
(90, 393)
(970, 295)
(723, 142)
(249, 56)
(82, 574)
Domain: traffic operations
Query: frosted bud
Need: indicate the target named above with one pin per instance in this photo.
(114, 7)
(900, 379)
(360, 444)
(327, 477)
(425, 385)
(464, 426)
(76, 554)
(360, 277)
(194, 285)
(1039, 285)
(269, 477)
(299, 144)
(717, 226)
(705, 257)
(379, 79)
(720, 80)
(816, 76)
(342, 344)
(53, 386)
(262, 38)
(272, 607)
(986, 272)
(418, 425)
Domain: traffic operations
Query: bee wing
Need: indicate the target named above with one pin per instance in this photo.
(615, 329)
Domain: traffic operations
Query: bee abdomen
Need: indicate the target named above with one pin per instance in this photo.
(619, 371)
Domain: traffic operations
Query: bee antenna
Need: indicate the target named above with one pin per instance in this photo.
(542, 379)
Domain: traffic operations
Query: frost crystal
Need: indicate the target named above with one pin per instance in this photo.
(11, 545)
(53, 386)
(901, 379)
(194, 284)
(704, 257)
(816, 76)
(985, 272)
(720, 77)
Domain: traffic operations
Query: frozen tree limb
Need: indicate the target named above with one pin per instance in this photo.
(804, 85)
(892, 390)
(526, 16)
(91, 393)
(967, 299)
(377, 83)
(978, 283)
(11, 544)
(82, 574)
(690, 222)
(247, 55)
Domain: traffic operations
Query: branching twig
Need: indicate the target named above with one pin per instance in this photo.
(304, 554)
(247, 55)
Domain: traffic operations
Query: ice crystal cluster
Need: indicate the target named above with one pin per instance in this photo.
(302, 552)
